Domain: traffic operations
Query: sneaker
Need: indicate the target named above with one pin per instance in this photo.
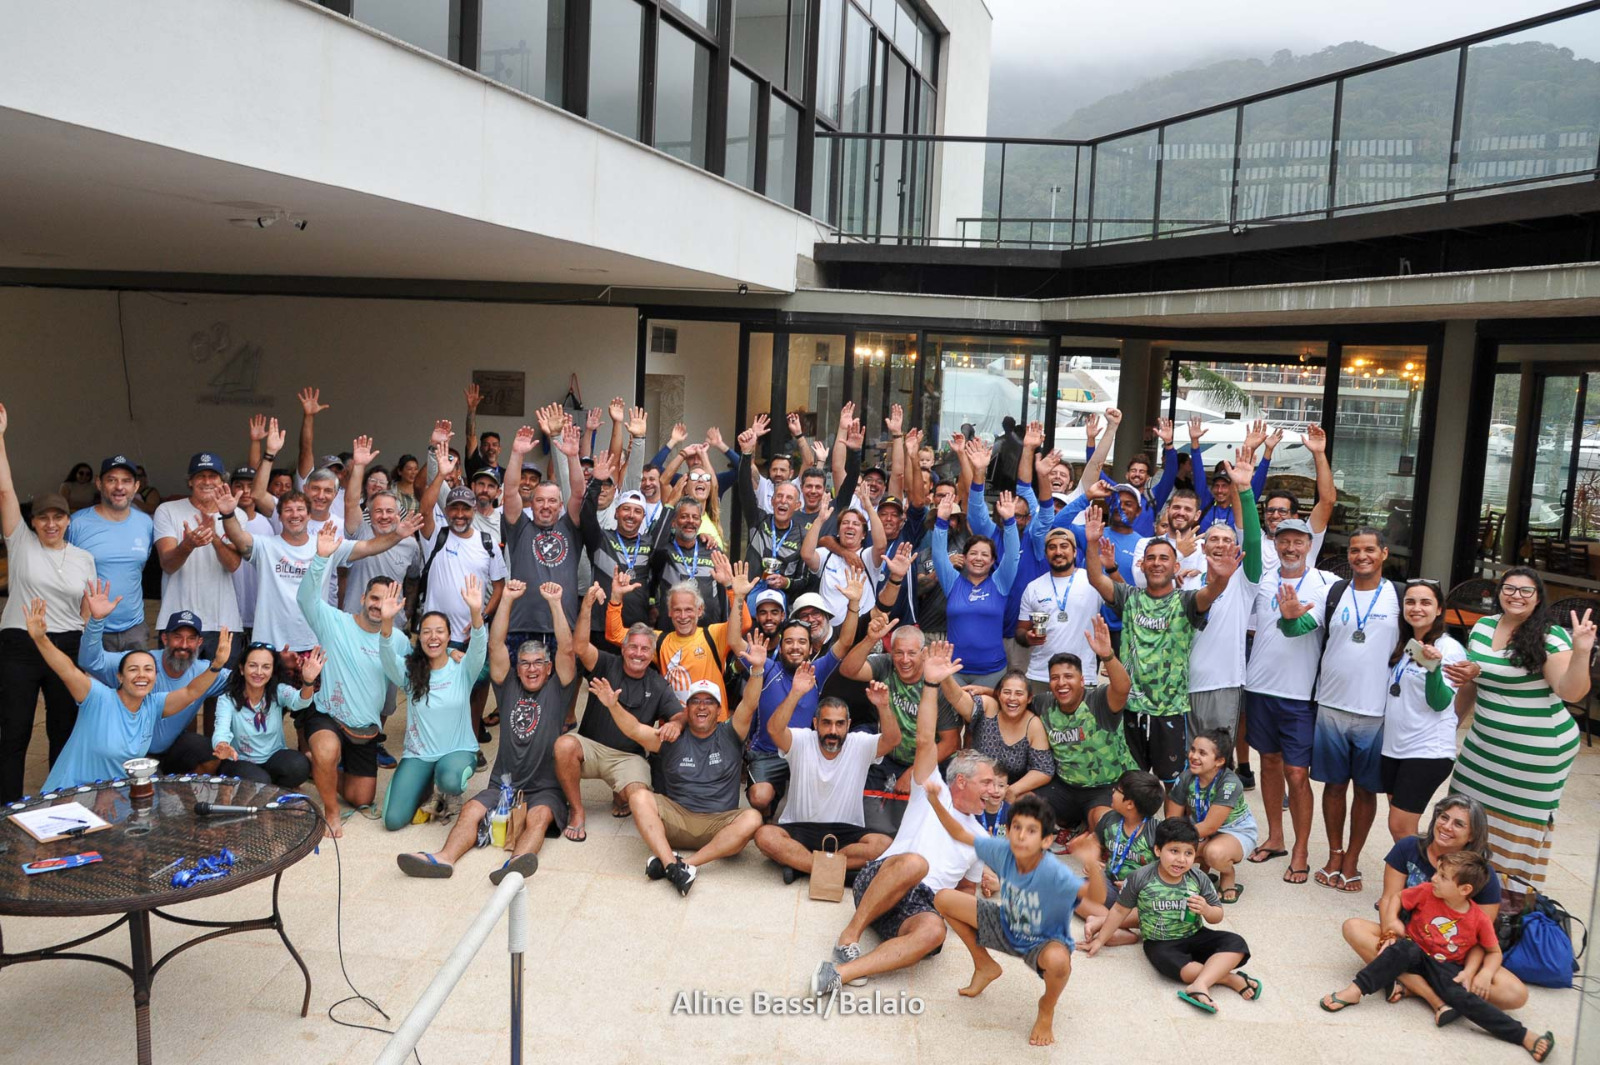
(682, 875)
(825, 980)
(842, 954)
(788, 875)
(1247, 777)
(385, 759)
(655, 870)
(1059, 844)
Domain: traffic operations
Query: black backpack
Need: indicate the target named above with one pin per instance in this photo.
(1336, 593)
(439, 540)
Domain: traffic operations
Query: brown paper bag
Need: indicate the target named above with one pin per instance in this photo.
(519, 817)
(827, 872)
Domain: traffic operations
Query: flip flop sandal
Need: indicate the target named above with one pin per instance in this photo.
(1193, 999)
(1351, 883)
(1445, 1015)
(491, 719)
(1329, 880)
(1237, 890)
(1290, 873)
(1549, 1041)
(526, 864)
(1252, 987)
(582, 833)
(424, 866)
(1398, 992)
(1342, 1004)
(621, 812)
(1266, 855)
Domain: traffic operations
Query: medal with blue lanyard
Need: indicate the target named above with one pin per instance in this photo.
(628, 556)
(776, 558)
(694, 563)
(1202, 803)
(1119, 854)
(989, 821)
(1360, 635)
(1061, 598)
(1399, 671)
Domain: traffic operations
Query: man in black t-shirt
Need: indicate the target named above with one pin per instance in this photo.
(600, 749)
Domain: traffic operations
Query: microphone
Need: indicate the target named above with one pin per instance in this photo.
(206, 809)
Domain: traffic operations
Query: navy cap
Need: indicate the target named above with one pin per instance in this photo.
(207, 460)
(184, 619)
(244, 473)
(461, 494)
(118, 462)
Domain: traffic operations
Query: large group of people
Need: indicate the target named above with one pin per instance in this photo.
(954, 688)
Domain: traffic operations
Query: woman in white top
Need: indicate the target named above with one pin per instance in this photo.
(860, 536)
(1419, 728)
(41, 565)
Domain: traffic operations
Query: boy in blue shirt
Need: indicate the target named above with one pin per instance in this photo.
(1033, 919)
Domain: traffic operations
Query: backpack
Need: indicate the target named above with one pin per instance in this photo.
(732, 678)
(439, 540)
(1336, 593)
(1538, 941)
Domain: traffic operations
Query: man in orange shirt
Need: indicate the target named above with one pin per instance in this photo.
(702, 650)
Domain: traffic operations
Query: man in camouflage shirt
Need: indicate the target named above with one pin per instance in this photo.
(1085, 731)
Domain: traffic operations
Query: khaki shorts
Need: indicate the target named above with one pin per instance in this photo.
(617, 768)
(686, 829)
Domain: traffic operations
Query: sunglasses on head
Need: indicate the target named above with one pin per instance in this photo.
(260, 645)
(1424, 580)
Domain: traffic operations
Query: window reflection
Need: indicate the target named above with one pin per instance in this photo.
(614, 50)
(520, 45)
(683, 86)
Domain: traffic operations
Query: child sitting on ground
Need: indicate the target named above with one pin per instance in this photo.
(1451, 943)
(1127, 842)
(1033, 919)
(1171, 898)
(1210, 794)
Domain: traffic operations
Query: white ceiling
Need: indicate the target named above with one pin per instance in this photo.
(73, 198)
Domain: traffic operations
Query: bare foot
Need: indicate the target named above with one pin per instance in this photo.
(1043, 1033)
(330, 814)
(1123, 937)
(982, 978)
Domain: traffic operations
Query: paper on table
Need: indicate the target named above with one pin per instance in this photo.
(50, 823)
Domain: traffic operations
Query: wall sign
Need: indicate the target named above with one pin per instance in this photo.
(502, 392)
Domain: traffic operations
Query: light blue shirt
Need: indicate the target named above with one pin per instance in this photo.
(236, 724)
(440, 723)
(1035, 907)
(120, 550)
(105, 736)
(353, 684)
(101, 665)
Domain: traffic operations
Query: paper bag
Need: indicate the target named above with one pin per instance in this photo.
(827, 872)
(519, 817)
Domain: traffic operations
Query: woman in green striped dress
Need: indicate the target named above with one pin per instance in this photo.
(1521, 666)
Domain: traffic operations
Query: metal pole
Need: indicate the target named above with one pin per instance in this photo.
(517, 944)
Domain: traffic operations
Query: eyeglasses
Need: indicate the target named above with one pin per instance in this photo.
(1277, 510)
(699, 476)
(1519, 591)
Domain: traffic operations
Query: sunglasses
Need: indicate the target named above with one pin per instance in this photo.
(1424, 580)
(699, 477)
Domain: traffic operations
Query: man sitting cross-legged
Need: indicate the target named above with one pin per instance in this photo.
(532, 700)
(702, 767)
(895, 893)
(827, 769)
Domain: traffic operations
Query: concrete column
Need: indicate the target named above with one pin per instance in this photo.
(1141, 378)
(1449, 443)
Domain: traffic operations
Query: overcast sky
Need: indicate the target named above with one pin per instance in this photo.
(1148, 33)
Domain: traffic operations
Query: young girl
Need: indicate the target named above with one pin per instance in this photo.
(248, 737)
(1210, 794)
(1003, 727)
(440, 748)
(975, 598)
(1419, 732)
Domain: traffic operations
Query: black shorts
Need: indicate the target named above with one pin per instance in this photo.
(357, 758)
(1072, 802)
(1410, 783)
(1159, 745)
(809, 834)
(1169, 956)
(918, 900)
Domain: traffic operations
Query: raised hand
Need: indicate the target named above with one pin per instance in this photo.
(224, 645)
(310, 402)
(1108, 553)
(549, 418)
(819, 453)
(1196, 431)
(879, 625)
(958, 442)
(940, 664)
(1006, 506)
(1099, 637)
(1091, 431)
(276, 437)
(741, 579)
(847, 414)
(1242, 468)
(878, 695)
(35, 619)
(410, 524)
(1185, 542)
(1291, 606)
(1583, 633)
(523, 441)
(601, 689)
(679, 434)
(441, 433)
(1033, 436)
(746, 441)
(618, 409)
(896, 420)
(805, 678)
(362, 452)
(604, 465)
(474, 396)
(1227, 564)
(755, 651)
(638, 421)
(311, 664)
(797, 428)
(855, 436)
(1255, 435)
(514, 589)
(899, 564)
(721, 571)
(472, 593)
(592, 419)
(622, 583)
(1094, 526)
(1315, 439)
(1274, 438)
(978, 453)
(97, 599)
(853, 586)
(567, 443)
(328, 539)
(714, 439)
(1164, 432)
(446, 460)
(947, 507)
(762, 425)
(913, 442)
(228, 500)
(1113, 419)
(258, 427)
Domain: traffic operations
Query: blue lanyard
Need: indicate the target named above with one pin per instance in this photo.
(1202, 805)
(1062, 603)
(989, 821)
(694, 563)
(634, 553)
(1299, 582)
(1361, 619)
(1120, 855)
(1399, 670)
(777, 544)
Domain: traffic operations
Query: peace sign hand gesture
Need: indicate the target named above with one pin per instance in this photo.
(1583, 633)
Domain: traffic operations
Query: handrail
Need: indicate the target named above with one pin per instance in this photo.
(510, 898)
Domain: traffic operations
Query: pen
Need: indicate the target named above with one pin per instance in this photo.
(170, 865)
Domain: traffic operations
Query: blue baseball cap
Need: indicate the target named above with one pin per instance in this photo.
(207, 460)
(184, 619)
(118, 462)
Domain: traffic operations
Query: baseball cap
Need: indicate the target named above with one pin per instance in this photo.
(461, 494)
(634, 496)
(207, 460)
(703, 687)
(118, 462)
(892, 501)
(879, 470)
(1061, 499)
(184, 619)
(1292, 525)
(1057, 533)
(51, 501)
(243, 473)
(486, 471)
(770, 595)
(327, 462)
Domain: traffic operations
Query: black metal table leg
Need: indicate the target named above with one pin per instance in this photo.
(277, 923)
(139, 936)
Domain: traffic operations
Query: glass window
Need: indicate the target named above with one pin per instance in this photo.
(1394, 132)
(758, 382)
(1531, 106)
(815, 377)
(976, 381)
(783, 128)
(614, 49)
(927, 51)
(428, 24)
(885, 371)
(1378, 422)
(759, 28)
(905, 31)
(743, 101)
(1040, 183)
(1497, 461)
(893, 177)
(1283, 164)
(683, 83)
(1124, 187)
(856, 176)
(922, 169)
(520, 45)
(1197, 173)
(795, 81)
(702, 11)
(830, 48)
(822, 200)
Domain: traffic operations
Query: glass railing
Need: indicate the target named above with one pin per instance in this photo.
(1509, 109)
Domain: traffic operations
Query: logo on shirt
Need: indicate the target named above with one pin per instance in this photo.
(1445, 928)
(549, 549)
(1066, 735)
(525, 716)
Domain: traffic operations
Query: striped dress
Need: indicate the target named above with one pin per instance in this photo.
(1517, 754)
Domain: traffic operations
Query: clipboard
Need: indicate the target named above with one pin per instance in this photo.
(47, 824)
